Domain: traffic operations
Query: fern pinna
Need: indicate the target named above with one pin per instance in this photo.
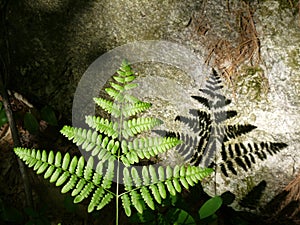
(212, 141)
(113, 146)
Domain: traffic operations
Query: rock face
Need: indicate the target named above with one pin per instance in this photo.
(52, 43)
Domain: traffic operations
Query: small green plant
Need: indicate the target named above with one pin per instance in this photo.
(209, 208)
(31, 119)
(114, 147)
(3, 118)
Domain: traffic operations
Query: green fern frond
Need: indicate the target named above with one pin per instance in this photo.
(139, 125)
(105, 200)
(142, 148)
(131, 99)
(103, 125)
(124, 78)
(111, 143)
(137, 107)
(92, 142)
(108, 106)
(148, 187)
(115, 94)
(74, 174)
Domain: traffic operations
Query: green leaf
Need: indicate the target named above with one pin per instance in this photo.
(117, 87)
(147, 197)
(136, 201)
(184, 218)
(135, 176)
(127, 179)
(49, 172)
(42, 168)
(170, 187)
(130, 86)
(55, 175)
(162, 190)
(210, 207)
(133, 109)
(3, 118)
(80, 166)
(119, 79)
(155, 193)
(103, 125)
(97, 196)
(88, 188)
(48, 114)
(177, 185)
(62, 178)
(126, 204)
(66, 161)
(129, 78)
(105, 200)
(30, 123)
(79, 187)
(108, 106)
(70, 185)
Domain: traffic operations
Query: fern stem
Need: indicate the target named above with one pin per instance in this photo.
(117, 193)
(118, 166)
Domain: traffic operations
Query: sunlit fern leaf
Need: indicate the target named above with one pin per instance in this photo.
(91, 141)
(105, 200)
(123, 78)
(103, 126)
(131, 99)
(136, 177)
(147, 197)
(84, 193)
(74, 175)
(146, 177)
(117, 87)
(80, 184)
(138, 107)
(125, 69)
(97, 196)
(171, 180)
(142, 148)
(108, 106)
(107, 179)
(130, 86)
(136, 201)
(136, 126)
(116, 95)
(127, 179)
(126, 204)
(109, 143)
